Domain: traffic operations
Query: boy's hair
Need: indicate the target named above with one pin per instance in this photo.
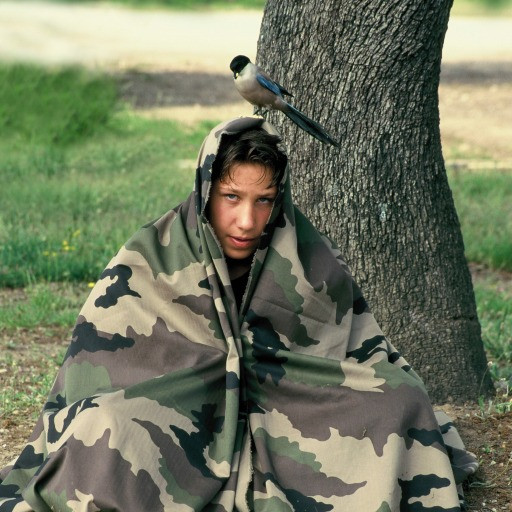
(251, 146)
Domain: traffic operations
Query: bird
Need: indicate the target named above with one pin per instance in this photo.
(256, 86)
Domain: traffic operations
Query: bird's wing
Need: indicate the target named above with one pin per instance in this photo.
(283, 90)
(268, 83)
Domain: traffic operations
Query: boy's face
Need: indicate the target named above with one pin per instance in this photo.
(240, 206)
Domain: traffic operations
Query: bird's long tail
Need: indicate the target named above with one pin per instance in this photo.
(308, 125)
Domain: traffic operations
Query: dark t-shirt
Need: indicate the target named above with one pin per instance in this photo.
(239, 284)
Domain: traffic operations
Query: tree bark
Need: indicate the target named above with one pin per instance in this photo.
(369, 72)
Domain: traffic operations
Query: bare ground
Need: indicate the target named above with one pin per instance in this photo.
(476, 111)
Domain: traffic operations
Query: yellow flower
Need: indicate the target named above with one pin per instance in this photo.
(46, 253)
(75, 233)
(91, 284)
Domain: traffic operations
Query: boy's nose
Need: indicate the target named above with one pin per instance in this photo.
(245, 219)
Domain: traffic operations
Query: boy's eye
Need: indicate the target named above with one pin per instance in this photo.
(266, 199)
(231, 197)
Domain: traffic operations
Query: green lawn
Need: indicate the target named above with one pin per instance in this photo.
(494, 304)
(484, 205)
(66, 210)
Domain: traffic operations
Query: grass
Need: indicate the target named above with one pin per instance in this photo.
(35, 324)
(484, 204)
(494, 304)
(66, 211)
(30, 96)
(27, 387)
(69, 202)
(71, 220)
(42, 304)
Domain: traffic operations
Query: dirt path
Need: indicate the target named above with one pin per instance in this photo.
(475, 103)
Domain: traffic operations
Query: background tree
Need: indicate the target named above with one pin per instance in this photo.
(369, 72)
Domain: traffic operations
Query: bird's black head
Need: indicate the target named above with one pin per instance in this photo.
(239, 63)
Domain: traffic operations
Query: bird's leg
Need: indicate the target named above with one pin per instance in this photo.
(260, 111)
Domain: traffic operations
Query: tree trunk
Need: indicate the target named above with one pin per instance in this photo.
(369, 72)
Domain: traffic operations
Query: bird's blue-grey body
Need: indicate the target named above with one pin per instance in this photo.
(258, 88)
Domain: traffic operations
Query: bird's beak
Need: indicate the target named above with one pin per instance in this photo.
(235, 74)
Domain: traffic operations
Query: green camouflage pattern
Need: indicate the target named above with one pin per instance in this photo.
(170, 399)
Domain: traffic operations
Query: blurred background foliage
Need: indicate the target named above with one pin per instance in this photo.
(182, 4)
(80, 172)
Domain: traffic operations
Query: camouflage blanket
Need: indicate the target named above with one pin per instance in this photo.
(170, 399)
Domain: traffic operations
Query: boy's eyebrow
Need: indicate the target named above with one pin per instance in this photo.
(234, 188)
(227, 187)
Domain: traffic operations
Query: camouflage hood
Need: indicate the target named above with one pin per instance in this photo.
(170, 399)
